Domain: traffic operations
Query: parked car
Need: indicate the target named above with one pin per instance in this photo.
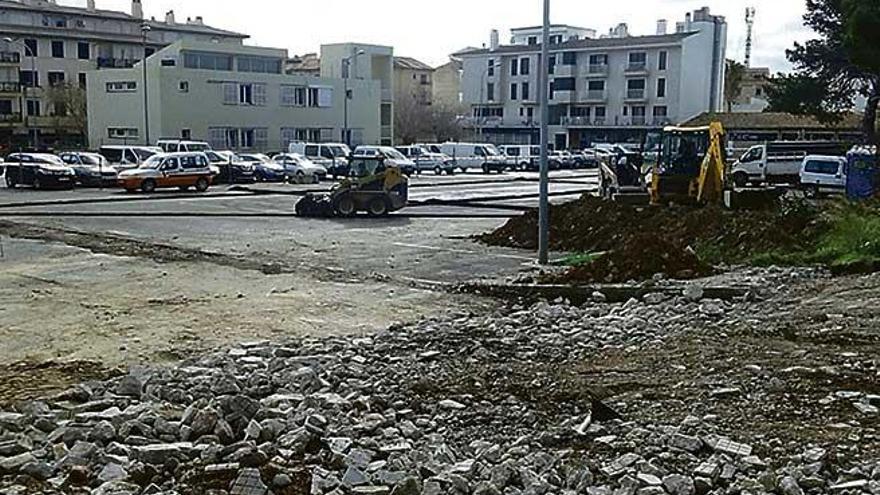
(585, 159)
(823, 174)
(92, 169)
(521, 157)
(40, 170)
(332, 156)
(392, 157)
(265, 170)
(296, 165)
(122, 156)
(779, 162)
(427, 160)
(180, 145)
(167, 170)
(483, 156)
(229, 169)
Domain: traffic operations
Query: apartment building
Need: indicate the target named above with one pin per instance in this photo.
(447, 83)
(752, 95)
(612, 88)
(414, 79)
(234, 96)
(363, 62)
(56, 45)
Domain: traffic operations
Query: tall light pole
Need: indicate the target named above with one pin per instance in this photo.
(24, 116)
(145, 30)
(544, 187)
(346, 66)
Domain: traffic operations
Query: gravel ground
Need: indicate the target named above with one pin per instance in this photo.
(777, 393)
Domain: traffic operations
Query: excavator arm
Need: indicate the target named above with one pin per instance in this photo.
(710, 185)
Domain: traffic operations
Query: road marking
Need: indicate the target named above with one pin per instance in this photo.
(460, 251)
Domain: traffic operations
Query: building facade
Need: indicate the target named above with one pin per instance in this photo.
(609, 89)
(447, 84)
(363, 62)
(752, 95)
(55, 46)
(233, 96)
(413, 79)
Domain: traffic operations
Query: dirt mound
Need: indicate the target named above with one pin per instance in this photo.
(670, 240)
(639, 259)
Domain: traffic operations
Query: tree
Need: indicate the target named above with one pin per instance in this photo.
(733, 80)
(417, 122)
(800, 95)
(69, 104)
(842, 64)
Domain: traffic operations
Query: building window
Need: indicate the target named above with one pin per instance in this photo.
(423, 79)
(252, 94)
(122, 132)
(300, 96)
(530, 112)
(33, 108)
(759, 92)
(186, 134)
(293, 96)
(209, 61)
(57, 49)
(490, 71)
(638, 61)
(5, 107)
(259, 64)
(183, 86)
(661, 87)
(148, 52)
(56, 78)
(514, 67)
(121, 87)
(563, 84)
(32, 50)
(662, 60)
(569, 58)
(513, 92)
(533, 40)
(525, 91)
(524, 66)
(29, 78)
(635, 88)
(599, 114)
(83, 51)
(556, 39)
(320, 97)
(552, 64)
(660, 112)
(490, 92)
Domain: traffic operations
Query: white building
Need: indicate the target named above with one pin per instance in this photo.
(559, 33)
(63, 43)
(236, 97)
(614, 88)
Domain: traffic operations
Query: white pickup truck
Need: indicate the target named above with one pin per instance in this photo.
(778, 162)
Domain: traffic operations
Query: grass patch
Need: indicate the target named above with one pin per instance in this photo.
(578, 259)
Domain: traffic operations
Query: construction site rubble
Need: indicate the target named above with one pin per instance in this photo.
(528, 400)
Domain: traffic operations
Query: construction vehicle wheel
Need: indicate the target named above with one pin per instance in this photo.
(345, 206)
(377, 207)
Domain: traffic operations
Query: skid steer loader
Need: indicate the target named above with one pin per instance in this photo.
(373, 188)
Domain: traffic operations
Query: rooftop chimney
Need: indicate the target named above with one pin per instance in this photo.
(494, 40)
(169, 17)
(662, 27)
(137, 10)
(199, 21)
(90, 5)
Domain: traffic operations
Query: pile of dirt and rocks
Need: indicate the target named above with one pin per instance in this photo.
(655, 396)
(592, 225)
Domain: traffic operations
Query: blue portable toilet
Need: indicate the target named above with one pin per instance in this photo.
(862, 174)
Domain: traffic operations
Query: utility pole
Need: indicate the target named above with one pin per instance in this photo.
(145, 29)
(543, 98)
(750, 28)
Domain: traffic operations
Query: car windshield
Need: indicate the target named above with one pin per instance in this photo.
(338, 151)
(257, 158)
(143, 154)
(491, 150)
(198, 147)
(393, 153)
(152, 162)
(96, 160)
(54, 160)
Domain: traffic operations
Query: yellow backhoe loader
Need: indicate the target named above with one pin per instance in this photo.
(691, 165)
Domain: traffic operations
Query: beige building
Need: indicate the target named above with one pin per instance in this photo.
(753, 91)
(56, 46)
(413, 79)
(447, 84)
(308, 64)
(233, 96)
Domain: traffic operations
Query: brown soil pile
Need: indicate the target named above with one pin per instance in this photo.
(641, 242)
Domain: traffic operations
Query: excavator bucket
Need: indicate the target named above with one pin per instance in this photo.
(315, 205)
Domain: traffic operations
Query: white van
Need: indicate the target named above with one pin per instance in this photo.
(392, 157)
(521, 157)
(483, 156)
(332, 156)
(778, 162)
(183, 146)
(823, 174)
(122, 157)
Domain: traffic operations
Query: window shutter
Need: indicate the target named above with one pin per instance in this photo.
(230, 94)
(287, 98)
(261, 138)
(260, 95)
(325, 97)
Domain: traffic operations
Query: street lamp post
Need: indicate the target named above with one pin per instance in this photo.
(145, 30)
(543, 189)
(346, 65)
(24, 116)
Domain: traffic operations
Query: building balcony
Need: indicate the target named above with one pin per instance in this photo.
(10, 58)
(636, 95)
(596, 70)
(562, 96)
(9, 119)
(565, 70)
(583, 121)
(482, 121)
(7, 88)
(636, 68)
(116, 63)
(636, 120)
(594, 96)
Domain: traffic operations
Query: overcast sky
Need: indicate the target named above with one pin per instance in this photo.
(431, 30)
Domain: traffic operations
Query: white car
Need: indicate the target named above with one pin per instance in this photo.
(428, 160)
(392, 157)
(821, 174)
(296, 165)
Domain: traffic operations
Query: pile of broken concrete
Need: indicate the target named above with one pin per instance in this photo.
(353, 415)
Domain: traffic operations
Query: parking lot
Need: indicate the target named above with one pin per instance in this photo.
(125, 272)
